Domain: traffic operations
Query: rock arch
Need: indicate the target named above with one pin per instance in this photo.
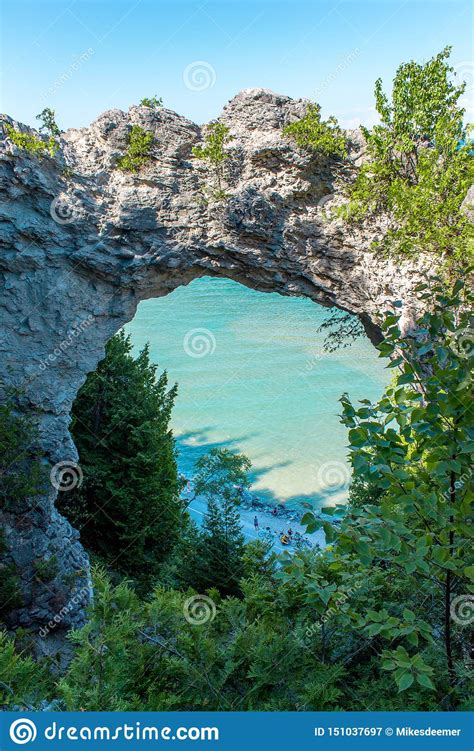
(83, 243)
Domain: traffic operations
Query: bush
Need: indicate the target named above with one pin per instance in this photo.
(322, 136)
(31, 143)
(213, 151)
(24, 683)
(138, 153)
(153, 102)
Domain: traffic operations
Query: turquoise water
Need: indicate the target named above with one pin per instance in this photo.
(253, 377)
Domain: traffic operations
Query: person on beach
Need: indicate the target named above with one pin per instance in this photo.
(255, 523)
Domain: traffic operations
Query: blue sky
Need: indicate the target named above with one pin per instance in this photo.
(81, 57)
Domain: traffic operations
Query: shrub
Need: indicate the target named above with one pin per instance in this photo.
(24, 683)
(153, 102)
(322, 136)
(213, 151)
(46, 569)
(138, 153)
(31, 143)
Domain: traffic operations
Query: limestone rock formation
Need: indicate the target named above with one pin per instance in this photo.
(82, 243)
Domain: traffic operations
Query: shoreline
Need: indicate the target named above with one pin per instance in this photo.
(270, 525)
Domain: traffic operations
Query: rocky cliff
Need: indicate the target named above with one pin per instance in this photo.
(82, 243)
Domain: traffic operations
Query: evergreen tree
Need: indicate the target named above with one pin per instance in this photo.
(127, 508)
(221, 478)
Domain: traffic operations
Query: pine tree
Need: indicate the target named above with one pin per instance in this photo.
(127, 508)
(221, 478)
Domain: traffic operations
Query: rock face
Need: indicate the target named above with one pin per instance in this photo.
(83, 243)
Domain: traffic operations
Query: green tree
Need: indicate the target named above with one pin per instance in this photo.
(48, 122)
(23, 682)
(138, 153)
(221, 477)
(322, 136)
(127, 508)
(213, 152)
(415, 447)
(153, 102)
(363, 491)
(419, 168)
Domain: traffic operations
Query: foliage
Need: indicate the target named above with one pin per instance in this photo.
(46, 568)
(221, 477)
(31, 143)
(47, 117)
(153, 102)
(289, 644)
(138, 151)
(222, 474)
(342, 329)
(363, 492)
(127, 508)
(322, 136)
(22, 478)
(23, 682)
(331, 630)
(420, 168)
(10, 589)
(21, 473)
(317, 631)
(415, 447)
(213, 152)
(148, 656)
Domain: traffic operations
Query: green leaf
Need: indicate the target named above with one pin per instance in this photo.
(405, 682)
(425, 680)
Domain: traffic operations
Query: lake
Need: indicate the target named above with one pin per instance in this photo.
(253, 377)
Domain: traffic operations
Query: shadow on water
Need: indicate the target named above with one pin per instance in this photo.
(194, 444)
